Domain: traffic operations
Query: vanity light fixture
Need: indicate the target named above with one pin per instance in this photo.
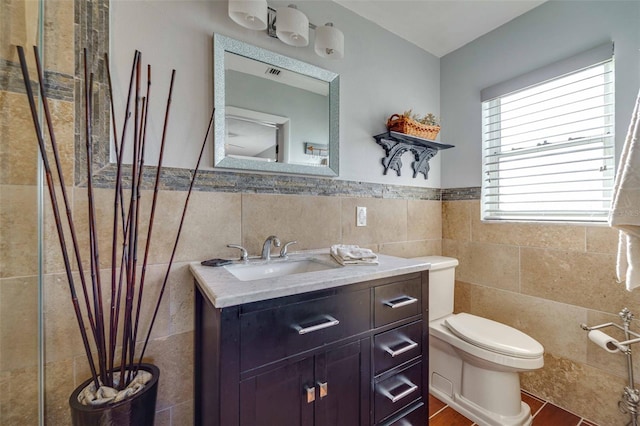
(250, 14)
(292, 26)
(329, 42)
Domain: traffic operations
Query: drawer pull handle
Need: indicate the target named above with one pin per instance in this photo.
(395, 398)
(324, 390)
(400, 302)
(311, 394)
(410, 345)
(330, 322)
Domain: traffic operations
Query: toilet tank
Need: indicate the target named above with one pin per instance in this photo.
(442, 277)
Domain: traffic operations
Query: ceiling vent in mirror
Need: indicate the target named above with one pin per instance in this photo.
(273, 71)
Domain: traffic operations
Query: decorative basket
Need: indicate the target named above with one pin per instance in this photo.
(402, 124)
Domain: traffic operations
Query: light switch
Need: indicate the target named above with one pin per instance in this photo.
(361, 216)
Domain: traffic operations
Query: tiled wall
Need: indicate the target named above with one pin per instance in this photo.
(546, 279)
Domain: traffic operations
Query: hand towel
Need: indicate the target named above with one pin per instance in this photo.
(625, 205)
(353, 255)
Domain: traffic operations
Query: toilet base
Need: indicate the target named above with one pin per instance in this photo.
(485, 392)
(480, 415)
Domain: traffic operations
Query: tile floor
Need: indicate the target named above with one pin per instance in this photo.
(544, 414)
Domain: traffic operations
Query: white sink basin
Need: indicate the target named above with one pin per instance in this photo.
(277, 268)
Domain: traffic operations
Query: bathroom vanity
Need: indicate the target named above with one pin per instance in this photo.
(340, 346)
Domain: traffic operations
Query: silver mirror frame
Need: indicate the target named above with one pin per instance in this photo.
(222, 44)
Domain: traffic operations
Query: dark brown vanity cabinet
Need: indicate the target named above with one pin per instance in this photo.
(351, 355)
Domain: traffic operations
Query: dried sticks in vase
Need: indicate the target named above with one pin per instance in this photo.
(126, 288)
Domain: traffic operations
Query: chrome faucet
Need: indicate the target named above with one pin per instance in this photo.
(266, 247)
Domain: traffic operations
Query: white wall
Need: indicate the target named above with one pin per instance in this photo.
(548, 33)
(381, 74)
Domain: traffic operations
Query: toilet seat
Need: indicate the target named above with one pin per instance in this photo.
(494, 336)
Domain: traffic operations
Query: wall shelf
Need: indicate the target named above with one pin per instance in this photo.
(396, 144)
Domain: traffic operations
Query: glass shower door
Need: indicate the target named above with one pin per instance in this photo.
(21, 366)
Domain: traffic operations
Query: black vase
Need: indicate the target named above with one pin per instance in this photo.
(139, 410)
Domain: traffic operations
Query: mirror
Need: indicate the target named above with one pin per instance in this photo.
(273, 113)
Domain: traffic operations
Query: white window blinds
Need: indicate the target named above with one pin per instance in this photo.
(548, 149)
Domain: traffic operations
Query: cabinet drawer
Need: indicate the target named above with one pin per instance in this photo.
(277, 333)
(397, 346)
(398, 391)
(414, 416)
(397, 301)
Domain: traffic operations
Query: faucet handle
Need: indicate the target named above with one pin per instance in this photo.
(274, 239)
(283, 250)
(244, 255)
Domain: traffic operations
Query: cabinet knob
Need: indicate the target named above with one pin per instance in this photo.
(324, 390)
(311, 393)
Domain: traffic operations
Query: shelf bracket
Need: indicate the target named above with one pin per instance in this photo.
(396, 144)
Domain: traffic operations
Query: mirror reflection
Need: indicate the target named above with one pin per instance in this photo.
(273, 113)
(253, 135)
(297, 106)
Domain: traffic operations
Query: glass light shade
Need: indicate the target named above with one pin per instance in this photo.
(250, 14)
(329, 42)
(292, 26)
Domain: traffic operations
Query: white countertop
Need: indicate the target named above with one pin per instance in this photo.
(224, 290)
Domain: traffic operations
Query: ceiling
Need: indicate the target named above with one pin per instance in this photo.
(440, 26)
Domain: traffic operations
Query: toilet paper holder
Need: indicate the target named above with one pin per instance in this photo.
(623, 346)
(630, 402)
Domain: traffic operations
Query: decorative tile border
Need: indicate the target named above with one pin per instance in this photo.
(461, 194)
(222, 181)
(91, 22)
(59, 86)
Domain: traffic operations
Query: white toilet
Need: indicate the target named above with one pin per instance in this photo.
(474, 362)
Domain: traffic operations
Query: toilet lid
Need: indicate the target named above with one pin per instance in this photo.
(494, 336)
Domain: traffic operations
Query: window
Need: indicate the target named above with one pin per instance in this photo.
(548, 148)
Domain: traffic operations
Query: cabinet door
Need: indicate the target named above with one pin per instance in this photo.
(341, 380)
(284, 396)
(329, 389)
